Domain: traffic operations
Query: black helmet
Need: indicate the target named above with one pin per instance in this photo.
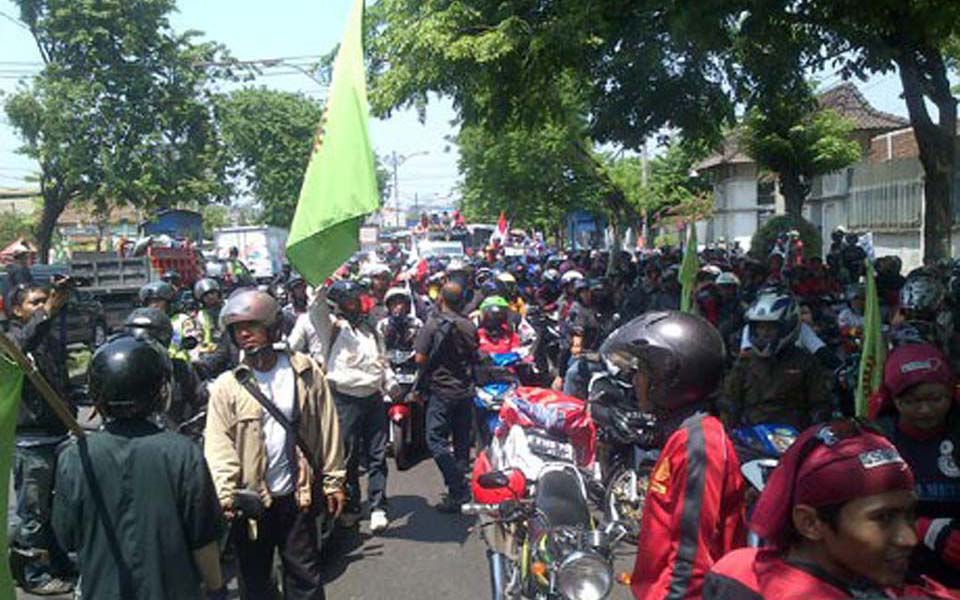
(130, 377)
(172, 277)
(204, 286)
(152, 322)
(342, 291)
(682, 354)
(157, 290)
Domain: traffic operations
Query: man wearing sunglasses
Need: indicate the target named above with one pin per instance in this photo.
(839, 514)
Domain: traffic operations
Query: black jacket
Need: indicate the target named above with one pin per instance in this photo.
(37, 338)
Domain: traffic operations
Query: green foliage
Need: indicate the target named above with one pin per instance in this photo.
(120, 113)
(638, 65)
(763, 239)
(14, 226)
(214, 216)
(269, 137)
(799, 146)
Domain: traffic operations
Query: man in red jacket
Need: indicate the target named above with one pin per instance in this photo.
(839, 514)
(693, 514)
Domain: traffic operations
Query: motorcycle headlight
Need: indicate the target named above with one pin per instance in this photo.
(584, 576)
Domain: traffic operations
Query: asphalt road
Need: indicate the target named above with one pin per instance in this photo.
(424, 555)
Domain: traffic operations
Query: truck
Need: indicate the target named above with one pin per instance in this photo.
(262, 248)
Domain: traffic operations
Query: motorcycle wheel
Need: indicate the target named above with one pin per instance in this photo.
(624, 498)
(402, 452)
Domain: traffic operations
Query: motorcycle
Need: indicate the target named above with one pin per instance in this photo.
(546, 350)
(407, 433)
(628, 452)
(531, 499)
(497, 379)
(759, 448)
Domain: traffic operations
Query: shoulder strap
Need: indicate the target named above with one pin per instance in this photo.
(245, 378)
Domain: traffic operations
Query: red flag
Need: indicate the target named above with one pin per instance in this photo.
(502, 225)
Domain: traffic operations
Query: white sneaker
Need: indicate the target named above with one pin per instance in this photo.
(378, 521)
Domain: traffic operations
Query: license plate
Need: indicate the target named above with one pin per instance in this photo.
(546, 447)
(405, 378)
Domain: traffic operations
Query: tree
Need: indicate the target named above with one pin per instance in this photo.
(269, 135)
(638, 66)
(880, 36)
(14, 226)
(797, 145)
(120, 112)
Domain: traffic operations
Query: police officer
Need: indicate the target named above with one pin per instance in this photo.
(135, 502)
(207, 294)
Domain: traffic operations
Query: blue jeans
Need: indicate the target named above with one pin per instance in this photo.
(573, 381)
(448, 417)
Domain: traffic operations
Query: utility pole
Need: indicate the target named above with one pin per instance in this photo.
(644, 176)
(395, 161)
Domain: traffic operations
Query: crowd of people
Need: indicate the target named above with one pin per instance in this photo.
(287, 383)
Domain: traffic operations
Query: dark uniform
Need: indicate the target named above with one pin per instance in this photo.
(134, 501)
(787, 389)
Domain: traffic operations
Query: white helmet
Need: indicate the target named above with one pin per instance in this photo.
(397, 292)
(777, 307)
(570, 276)
(727, 278)
(375, 269)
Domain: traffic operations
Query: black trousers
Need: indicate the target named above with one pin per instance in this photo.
(363, 425)
(292, 533)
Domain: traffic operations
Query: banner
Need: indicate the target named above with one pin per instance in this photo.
(11, 383)
(340, 184)
(874, 349)
(688, 270)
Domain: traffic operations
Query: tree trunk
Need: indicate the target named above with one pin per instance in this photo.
(794, 193)
(935, 142)
(52, 208)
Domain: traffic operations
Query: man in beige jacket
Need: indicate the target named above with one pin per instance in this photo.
(248, 449)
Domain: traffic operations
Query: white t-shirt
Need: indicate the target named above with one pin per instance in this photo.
(277, 385)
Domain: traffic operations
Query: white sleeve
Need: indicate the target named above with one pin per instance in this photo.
(745, 339)
(809, 339)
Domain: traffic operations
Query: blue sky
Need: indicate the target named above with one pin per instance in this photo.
(284, 28)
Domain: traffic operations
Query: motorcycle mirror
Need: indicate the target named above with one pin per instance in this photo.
(757, 471)
(189, 343)
(493, 480)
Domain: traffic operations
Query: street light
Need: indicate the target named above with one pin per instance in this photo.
(395, 161)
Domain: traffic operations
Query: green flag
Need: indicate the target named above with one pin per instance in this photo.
(688, 270)
(11, 382)
(874, 350)
(340, 185)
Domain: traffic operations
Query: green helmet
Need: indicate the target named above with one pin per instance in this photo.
(494, 302)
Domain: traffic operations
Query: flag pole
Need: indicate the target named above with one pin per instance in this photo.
(56, 403)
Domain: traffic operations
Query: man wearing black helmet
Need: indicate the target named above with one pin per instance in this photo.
(136, 502)
(272, 429)
(693, 513)
(188, 394)
(31, 309)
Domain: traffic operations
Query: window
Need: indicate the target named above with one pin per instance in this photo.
(765, 192)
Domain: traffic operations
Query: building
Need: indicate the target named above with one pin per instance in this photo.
(19, 201)
(745, 197)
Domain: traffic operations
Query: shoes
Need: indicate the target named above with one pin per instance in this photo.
(52, 587)
(378, 521)
(451, 504)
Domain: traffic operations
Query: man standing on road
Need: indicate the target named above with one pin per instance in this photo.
(134, 501)
(272, 429)
(447, 352)
(32, 309)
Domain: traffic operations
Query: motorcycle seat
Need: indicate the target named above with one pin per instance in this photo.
(560, 496)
